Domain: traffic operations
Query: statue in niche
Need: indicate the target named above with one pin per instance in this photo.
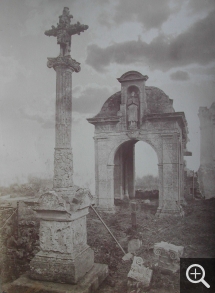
(133, 104)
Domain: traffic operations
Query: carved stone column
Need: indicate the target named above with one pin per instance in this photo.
(64, 66)
(63, 161)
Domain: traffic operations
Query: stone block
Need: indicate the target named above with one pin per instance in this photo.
(88, 284)
(134, 245)
(139, 272)
(168, 255)
(62, 268)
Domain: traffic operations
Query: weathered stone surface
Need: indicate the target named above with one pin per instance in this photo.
(168, 255)
(61, 268)
(134, 245)
(64, 255)
(139, 113)
(88, 284)
(67, 61)
(206, 171)
(64, 66)
(139, 272)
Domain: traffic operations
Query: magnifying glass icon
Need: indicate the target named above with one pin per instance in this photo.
(195, 273)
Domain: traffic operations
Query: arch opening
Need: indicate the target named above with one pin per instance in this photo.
(124, 177)
(146, 173)
(136, 171)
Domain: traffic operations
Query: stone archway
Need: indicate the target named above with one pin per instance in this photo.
(124, 169)
(139, 113)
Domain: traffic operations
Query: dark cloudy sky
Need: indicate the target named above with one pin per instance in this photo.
(171, 41)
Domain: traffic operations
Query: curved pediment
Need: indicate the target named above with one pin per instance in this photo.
(132, 75)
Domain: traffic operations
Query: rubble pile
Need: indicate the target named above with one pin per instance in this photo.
(175, 237)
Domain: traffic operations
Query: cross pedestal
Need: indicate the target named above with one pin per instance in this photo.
(64, 255)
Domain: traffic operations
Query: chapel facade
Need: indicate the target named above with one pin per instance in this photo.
(139, 113)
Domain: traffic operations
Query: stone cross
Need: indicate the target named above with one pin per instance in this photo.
(64, 66)
(65, 30)
(64, 255)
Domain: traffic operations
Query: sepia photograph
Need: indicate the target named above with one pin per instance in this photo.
(107, 146)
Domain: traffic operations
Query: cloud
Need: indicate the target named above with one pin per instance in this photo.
(86, 101)
(90, 99)
(149, 13)
(210, 71)
(194, 46)
(46, 120)
(199, 5)
(180, 75)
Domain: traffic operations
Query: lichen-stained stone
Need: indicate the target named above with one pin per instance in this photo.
(139, 113)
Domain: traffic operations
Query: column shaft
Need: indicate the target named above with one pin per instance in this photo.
(63, 161)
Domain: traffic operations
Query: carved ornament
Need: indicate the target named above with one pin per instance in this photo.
(51, 201)
(63, 168)
(133, 134)
(64, 61)
(64, 30)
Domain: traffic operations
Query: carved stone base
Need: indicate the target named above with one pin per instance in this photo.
(88, 284)
(61, 267)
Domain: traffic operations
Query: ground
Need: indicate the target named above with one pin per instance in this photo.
(195, 231)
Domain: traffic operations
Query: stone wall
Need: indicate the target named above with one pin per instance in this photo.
(8, 221)
(191, 181)
(18, 238)
(206, 171)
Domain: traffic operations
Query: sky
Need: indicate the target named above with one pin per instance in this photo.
(171, 41)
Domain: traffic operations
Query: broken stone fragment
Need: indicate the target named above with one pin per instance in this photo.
(174, 252)
(140, 273)
(82, 199)
(168, 255)
(127, 256)
(134, 245)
